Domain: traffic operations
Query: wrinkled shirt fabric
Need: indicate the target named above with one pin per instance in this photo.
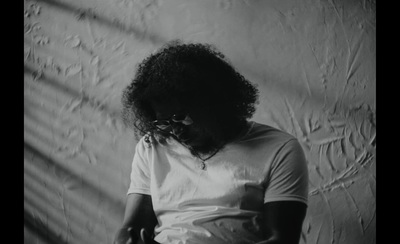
(221, 204)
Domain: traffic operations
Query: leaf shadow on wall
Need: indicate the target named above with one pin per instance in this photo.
(41, 231)
(89, 13)
(60, 196)
(70, 91)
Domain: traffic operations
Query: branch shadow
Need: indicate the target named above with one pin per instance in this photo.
(43, 233)
(63, 88)
(89, 13)
(43, 129)
(63, 171)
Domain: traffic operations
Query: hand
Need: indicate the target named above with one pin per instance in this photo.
(146, 238)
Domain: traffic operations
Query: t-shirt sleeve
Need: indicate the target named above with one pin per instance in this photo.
(288, 176)
(140, 173)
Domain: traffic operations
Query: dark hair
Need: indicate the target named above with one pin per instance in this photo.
(195, 75)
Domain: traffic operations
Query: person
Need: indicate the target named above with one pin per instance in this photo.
(203, 171)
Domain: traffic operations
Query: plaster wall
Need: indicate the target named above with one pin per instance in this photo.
(313, 61)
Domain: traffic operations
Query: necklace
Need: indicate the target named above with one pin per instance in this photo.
(203, 160)
(242, 133)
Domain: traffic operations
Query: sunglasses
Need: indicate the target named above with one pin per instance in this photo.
(165, 124)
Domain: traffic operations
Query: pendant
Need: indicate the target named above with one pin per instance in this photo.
(203, 166)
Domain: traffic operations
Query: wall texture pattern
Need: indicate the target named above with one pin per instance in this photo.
(313, 61)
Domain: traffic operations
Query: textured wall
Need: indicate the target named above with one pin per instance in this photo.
(313, 61)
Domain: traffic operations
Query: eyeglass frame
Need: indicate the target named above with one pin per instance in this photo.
(186, 121)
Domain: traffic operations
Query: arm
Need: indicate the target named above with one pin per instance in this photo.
(283, 222)
(138, 214)
(286, 196)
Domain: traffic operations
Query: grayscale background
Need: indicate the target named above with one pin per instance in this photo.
(313, 61)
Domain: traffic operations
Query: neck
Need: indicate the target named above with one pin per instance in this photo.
(210, 147)
(213, 145)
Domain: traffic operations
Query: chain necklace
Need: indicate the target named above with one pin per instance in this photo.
(203, 165)
(203, 160)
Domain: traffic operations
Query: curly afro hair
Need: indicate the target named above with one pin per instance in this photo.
(195, 75)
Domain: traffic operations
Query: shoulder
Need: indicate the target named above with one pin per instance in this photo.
(267, 134)
(266, 141)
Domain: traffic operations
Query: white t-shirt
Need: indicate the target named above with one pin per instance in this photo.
(222, 203)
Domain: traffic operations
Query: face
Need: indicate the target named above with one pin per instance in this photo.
(201, 135)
